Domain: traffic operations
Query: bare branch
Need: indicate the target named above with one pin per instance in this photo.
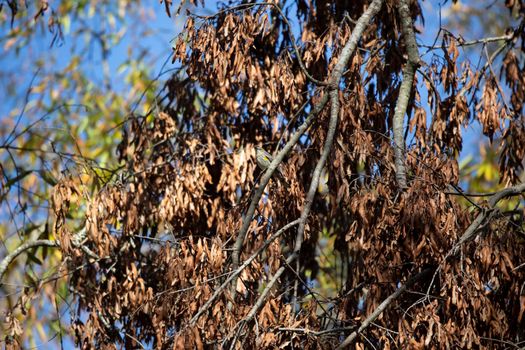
(471, 231)
(487, 40)
(247, 219)
(315, 333)
(22, 248)
(236, 272)
(404, 91)
(483, 41)
(382, 307)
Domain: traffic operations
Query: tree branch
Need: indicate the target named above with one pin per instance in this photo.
(247, 219)
(337, 73)
(351, 45)
(471, 231)
(334, 117)
(76, 240)
(404, 91)
(334, 100)
(22, 248)
(483, 41)
(235, 273)
(262, 297)
(382, 307)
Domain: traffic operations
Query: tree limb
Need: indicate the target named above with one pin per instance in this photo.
(334, 117)
(471, 231)
(76, 240)
(334, 100)
(260, 301)
(346, 53)
(351, 45)
(337, 73)
(404, 91)
(247, 219)
(236, 272)
(382, 307)
(22, 248)
(483, 41)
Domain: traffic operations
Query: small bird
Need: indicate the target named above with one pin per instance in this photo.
(264, 159)
(322, 186)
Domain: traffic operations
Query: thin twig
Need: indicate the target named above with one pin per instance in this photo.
(437, 102)
(315, 333)
(486, 66)
(483, 41)
(21, 114)
(496, 80)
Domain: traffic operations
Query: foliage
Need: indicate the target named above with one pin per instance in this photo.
(60, 119)
(193, 246)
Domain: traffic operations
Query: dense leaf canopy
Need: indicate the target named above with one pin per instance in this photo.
(189, 244)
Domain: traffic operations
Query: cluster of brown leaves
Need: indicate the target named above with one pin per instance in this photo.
(163, 232)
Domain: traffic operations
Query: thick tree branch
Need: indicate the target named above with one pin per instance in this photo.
(262, 298)
(346, 53)
(22, 248)
(334, 100)
(76, 240)
(382, 307)
(351, 45)
(405, 91)
(260, 301)
(334, 117)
